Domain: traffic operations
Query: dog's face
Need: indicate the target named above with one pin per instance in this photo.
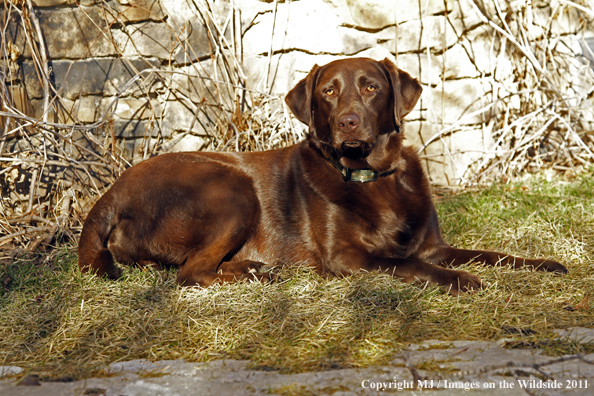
(354, 107)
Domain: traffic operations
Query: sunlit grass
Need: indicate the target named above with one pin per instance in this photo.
(59, 323)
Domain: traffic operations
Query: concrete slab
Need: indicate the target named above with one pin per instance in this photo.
(440, 368)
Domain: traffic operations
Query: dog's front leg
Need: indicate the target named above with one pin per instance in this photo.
(452, 256)
(410, 270)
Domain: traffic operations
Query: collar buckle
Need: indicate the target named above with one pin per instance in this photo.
(354, 175)
(359, 175)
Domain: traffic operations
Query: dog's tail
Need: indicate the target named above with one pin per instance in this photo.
(93, 254)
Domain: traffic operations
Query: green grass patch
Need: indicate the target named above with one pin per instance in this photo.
(60, 324)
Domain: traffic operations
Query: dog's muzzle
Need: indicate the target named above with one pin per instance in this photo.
(353, 148)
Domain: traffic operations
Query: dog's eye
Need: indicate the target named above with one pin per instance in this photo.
(329, 92)
(370, 88)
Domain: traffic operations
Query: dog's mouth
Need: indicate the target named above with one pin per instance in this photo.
(355, 149)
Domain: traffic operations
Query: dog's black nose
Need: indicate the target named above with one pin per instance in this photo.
(348, 122)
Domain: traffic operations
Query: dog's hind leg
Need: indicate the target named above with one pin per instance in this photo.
(197, 270)
(205, 266)
(240, 267)
(93, 255)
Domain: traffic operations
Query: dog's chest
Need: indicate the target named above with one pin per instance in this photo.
(310, 221)
(383, 219)
(388, 222)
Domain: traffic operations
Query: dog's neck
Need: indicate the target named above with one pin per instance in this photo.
(383, 160)
(355, 175)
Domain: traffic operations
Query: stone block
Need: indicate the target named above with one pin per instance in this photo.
(134, 128)
(452, 101)
(340, 39)
(59, 112)
(482, 50)
(286, 69)
(371, 14)
(185, 142)
(90, 109)
(250, 11)
(19, 99)
(181, 12)
(55, 3)
(88, 77)
(376, 14)
(74, 33)
(195, 82)
(180, 117)
(93, 140)
(10, 370)
(447, 160)
(434, 32)
(87, 109)
(133, 108)
(302, 26)
(149, 39)
(416, 133)
(567, 20)
(464, 17)
(431, 71)
(136, 150)
(195, 44)
(540, 18)
(580, 335)
(202, 84)
(133, 11)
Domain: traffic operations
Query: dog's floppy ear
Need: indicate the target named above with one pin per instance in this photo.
(406, 89)
(299, 99)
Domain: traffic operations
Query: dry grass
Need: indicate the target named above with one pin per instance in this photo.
(61, 324)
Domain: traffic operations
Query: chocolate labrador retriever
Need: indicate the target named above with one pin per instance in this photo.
(350, 197)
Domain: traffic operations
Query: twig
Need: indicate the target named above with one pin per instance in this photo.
(266, 87)
(28, 231)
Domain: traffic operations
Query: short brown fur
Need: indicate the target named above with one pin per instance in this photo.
(220, 217)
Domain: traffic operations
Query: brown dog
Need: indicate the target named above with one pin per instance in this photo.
(348, 198)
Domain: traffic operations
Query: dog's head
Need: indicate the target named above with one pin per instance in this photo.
(354, 109)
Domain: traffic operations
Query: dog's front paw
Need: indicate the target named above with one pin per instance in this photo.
(461, 281)
(550, 266)
(274, 278)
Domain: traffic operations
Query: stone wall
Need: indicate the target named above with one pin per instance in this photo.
(167, 75)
